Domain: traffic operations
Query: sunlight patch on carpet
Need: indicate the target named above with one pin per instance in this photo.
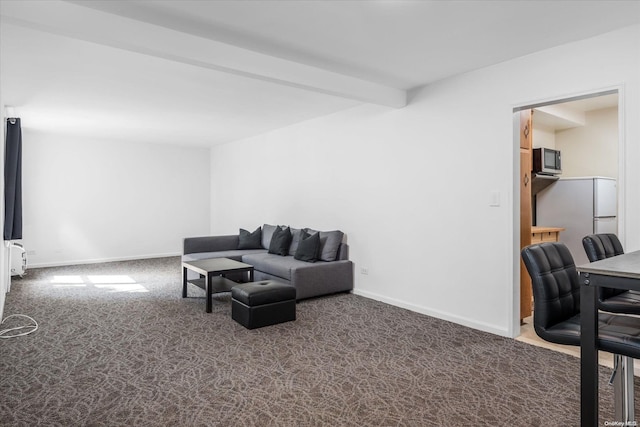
(123, 287)
(111, 283)
(68, 280)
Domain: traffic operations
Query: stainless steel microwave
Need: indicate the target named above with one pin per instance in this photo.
(547, 161)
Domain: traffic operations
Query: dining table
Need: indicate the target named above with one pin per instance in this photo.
(620, 272)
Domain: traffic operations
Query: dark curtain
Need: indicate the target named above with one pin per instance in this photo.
(13, 181)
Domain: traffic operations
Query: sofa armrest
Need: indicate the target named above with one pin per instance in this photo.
(322, 278)
(210, 244)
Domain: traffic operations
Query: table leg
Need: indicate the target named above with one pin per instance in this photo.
(629, 402)
(251, 275)
(623, 402)
(588, 353)
(208, 292)
(184, 282)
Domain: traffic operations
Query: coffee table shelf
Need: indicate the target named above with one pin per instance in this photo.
(218, 284)
(212, 272)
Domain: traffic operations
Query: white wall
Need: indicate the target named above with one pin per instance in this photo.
(411, 187)
(543, 137)
(94, 200)
(592, 149)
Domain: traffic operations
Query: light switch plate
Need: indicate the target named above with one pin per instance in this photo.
(494, 199)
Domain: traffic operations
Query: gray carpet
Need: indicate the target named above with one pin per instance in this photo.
(119, 346)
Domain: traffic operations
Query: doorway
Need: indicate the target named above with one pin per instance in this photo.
(586, 130)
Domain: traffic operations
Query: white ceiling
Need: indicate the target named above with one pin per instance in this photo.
(210, 72)
(571, 114)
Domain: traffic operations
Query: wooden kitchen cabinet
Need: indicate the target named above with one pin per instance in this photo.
(526, 129)
(526, 157)
(545, 234)
(526, 292)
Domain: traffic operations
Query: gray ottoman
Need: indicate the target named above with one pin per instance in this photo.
(264, 303)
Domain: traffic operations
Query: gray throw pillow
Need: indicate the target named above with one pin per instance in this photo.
(329, 243)
(280, 241)
(295, 233)
(249, 240)
(267, 232)
(308, 247)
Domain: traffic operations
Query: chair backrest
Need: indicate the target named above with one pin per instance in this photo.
(556, 288)
(601, 246)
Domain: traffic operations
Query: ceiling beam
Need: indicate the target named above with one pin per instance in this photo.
(72, 20)
(568, 116)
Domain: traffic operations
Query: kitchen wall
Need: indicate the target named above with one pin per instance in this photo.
(592, 149)
(412, 187)
(97, 200)
(543, 136)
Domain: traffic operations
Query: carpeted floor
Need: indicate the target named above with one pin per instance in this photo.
(119, 346)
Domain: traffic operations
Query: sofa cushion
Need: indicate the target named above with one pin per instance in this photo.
(308, 247)
(248, 240)
(274, 265)
(267, 233)
(329, 243)
(280, 241)
(234, 254)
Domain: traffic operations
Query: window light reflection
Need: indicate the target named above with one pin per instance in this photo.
(109, 283)
(111, 279)
(123, 287)
(69, 285)
(67, 279)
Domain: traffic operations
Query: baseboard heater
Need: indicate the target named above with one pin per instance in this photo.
(18, 258)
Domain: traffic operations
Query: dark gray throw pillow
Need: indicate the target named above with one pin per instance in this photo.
(308, 247)
(280, 241)
(250, 240)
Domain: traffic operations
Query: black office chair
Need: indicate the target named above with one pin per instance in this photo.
(556, 316)
(607, 245)
(601, 246)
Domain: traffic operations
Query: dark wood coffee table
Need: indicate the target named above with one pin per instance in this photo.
(212, 275)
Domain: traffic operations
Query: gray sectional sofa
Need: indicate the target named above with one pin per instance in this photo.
(331, 273)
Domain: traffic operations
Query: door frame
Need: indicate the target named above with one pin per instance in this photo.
(514, 327)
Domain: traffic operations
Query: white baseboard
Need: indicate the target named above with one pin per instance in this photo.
(435, 313)
(99, 260)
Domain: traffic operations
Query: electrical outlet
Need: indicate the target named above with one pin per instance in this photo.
(364, 270)
(31, 253)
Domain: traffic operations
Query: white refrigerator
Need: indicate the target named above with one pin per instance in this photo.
(582, 206)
